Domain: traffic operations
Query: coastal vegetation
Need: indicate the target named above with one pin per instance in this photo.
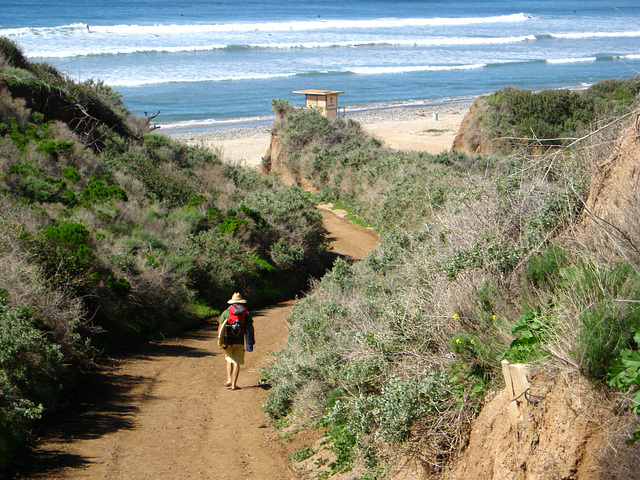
(516, 119)
(112, 235)
(482, 258)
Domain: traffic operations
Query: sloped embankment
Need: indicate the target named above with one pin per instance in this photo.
(611, 221)
(574, 431)
(568, 435)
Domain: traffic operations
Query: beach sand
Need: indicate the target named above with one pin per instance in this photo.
(423, 133)
(428, 128)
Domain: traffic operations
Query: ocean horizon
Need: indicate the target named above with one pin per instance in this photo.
(208, 65)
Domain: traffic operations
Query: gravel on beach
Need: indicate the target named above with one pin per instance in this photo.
(382, 115)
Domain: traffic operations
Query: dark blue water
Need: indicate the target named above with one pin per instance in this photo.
(211, 63)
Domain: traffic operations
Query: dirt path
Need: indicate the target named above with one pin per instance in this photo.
(165, 414)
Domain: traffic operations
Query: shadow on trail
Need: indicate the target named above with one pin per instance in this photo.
(103, 402)
(151, 351)
(47, 462)
(171, 348)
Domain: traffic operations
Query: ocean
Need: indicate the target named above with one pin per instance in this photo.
(207, 64)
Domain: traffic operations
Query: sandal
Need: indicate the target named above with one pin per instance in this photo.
(228, 384)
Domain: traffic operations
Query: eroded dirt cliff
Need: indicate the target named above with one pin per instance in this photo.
(574, 431)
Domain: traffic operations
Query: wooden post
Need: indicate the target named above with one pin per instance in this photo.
(517, 383)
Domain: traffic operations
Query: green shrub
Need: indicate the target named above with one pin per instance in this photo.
(163, 184)
(196, 200)
(285, 255)
(70, 242)
(102, 101)
(622, 93)
(341, 441)
(154, 141)
(41, 189)
(13, 53)
(550, 118)
(30, 372)
(279, 400)
(188, 216)
(624, 373)
(55, 148)
(551, 115)
(386, 414)
(603, 335)
(231, 223)
(118, 285)
(543, 270)
(609, 313)
(401, 401)
(281, 107)
(531, 331)
(22, 135)
(555, 210)
(48, 74)
(99, 191)
(302, 454)
(71, 173)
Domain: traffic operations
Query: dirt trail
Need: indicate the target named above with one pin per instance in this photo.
(165, 414)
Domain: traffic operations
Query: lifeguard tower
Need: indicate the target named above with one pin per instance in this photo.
(324, 100)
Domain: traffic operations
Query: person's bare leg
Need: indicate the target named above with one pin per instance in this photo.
(229, 373)
(235, 372)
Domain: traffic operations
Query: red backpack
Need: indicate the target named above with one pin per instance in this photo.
(237, 314)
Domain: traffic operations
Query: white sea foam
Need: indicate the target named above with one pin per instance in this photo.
(190, 125)
(397, 42)
(138, 81)
(305, 25)
(422, 42)
(571, 60)
(79, 39)
(414, 68)
(44, 31)
(120, 50)
(584, 35)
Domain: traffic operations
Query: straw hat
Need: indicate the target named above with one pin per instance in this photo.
(237, 298)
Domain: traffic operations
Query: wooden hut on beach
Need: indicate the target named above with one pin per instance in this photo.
(324, 100)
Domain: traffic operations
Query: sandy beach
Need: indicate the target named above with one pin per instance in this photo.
(428, 128)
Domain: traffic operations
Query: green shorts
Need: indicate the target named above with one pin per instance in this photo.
(234, 354)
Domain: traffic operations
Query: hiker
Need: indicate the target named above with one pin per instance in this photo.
(235, 325)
